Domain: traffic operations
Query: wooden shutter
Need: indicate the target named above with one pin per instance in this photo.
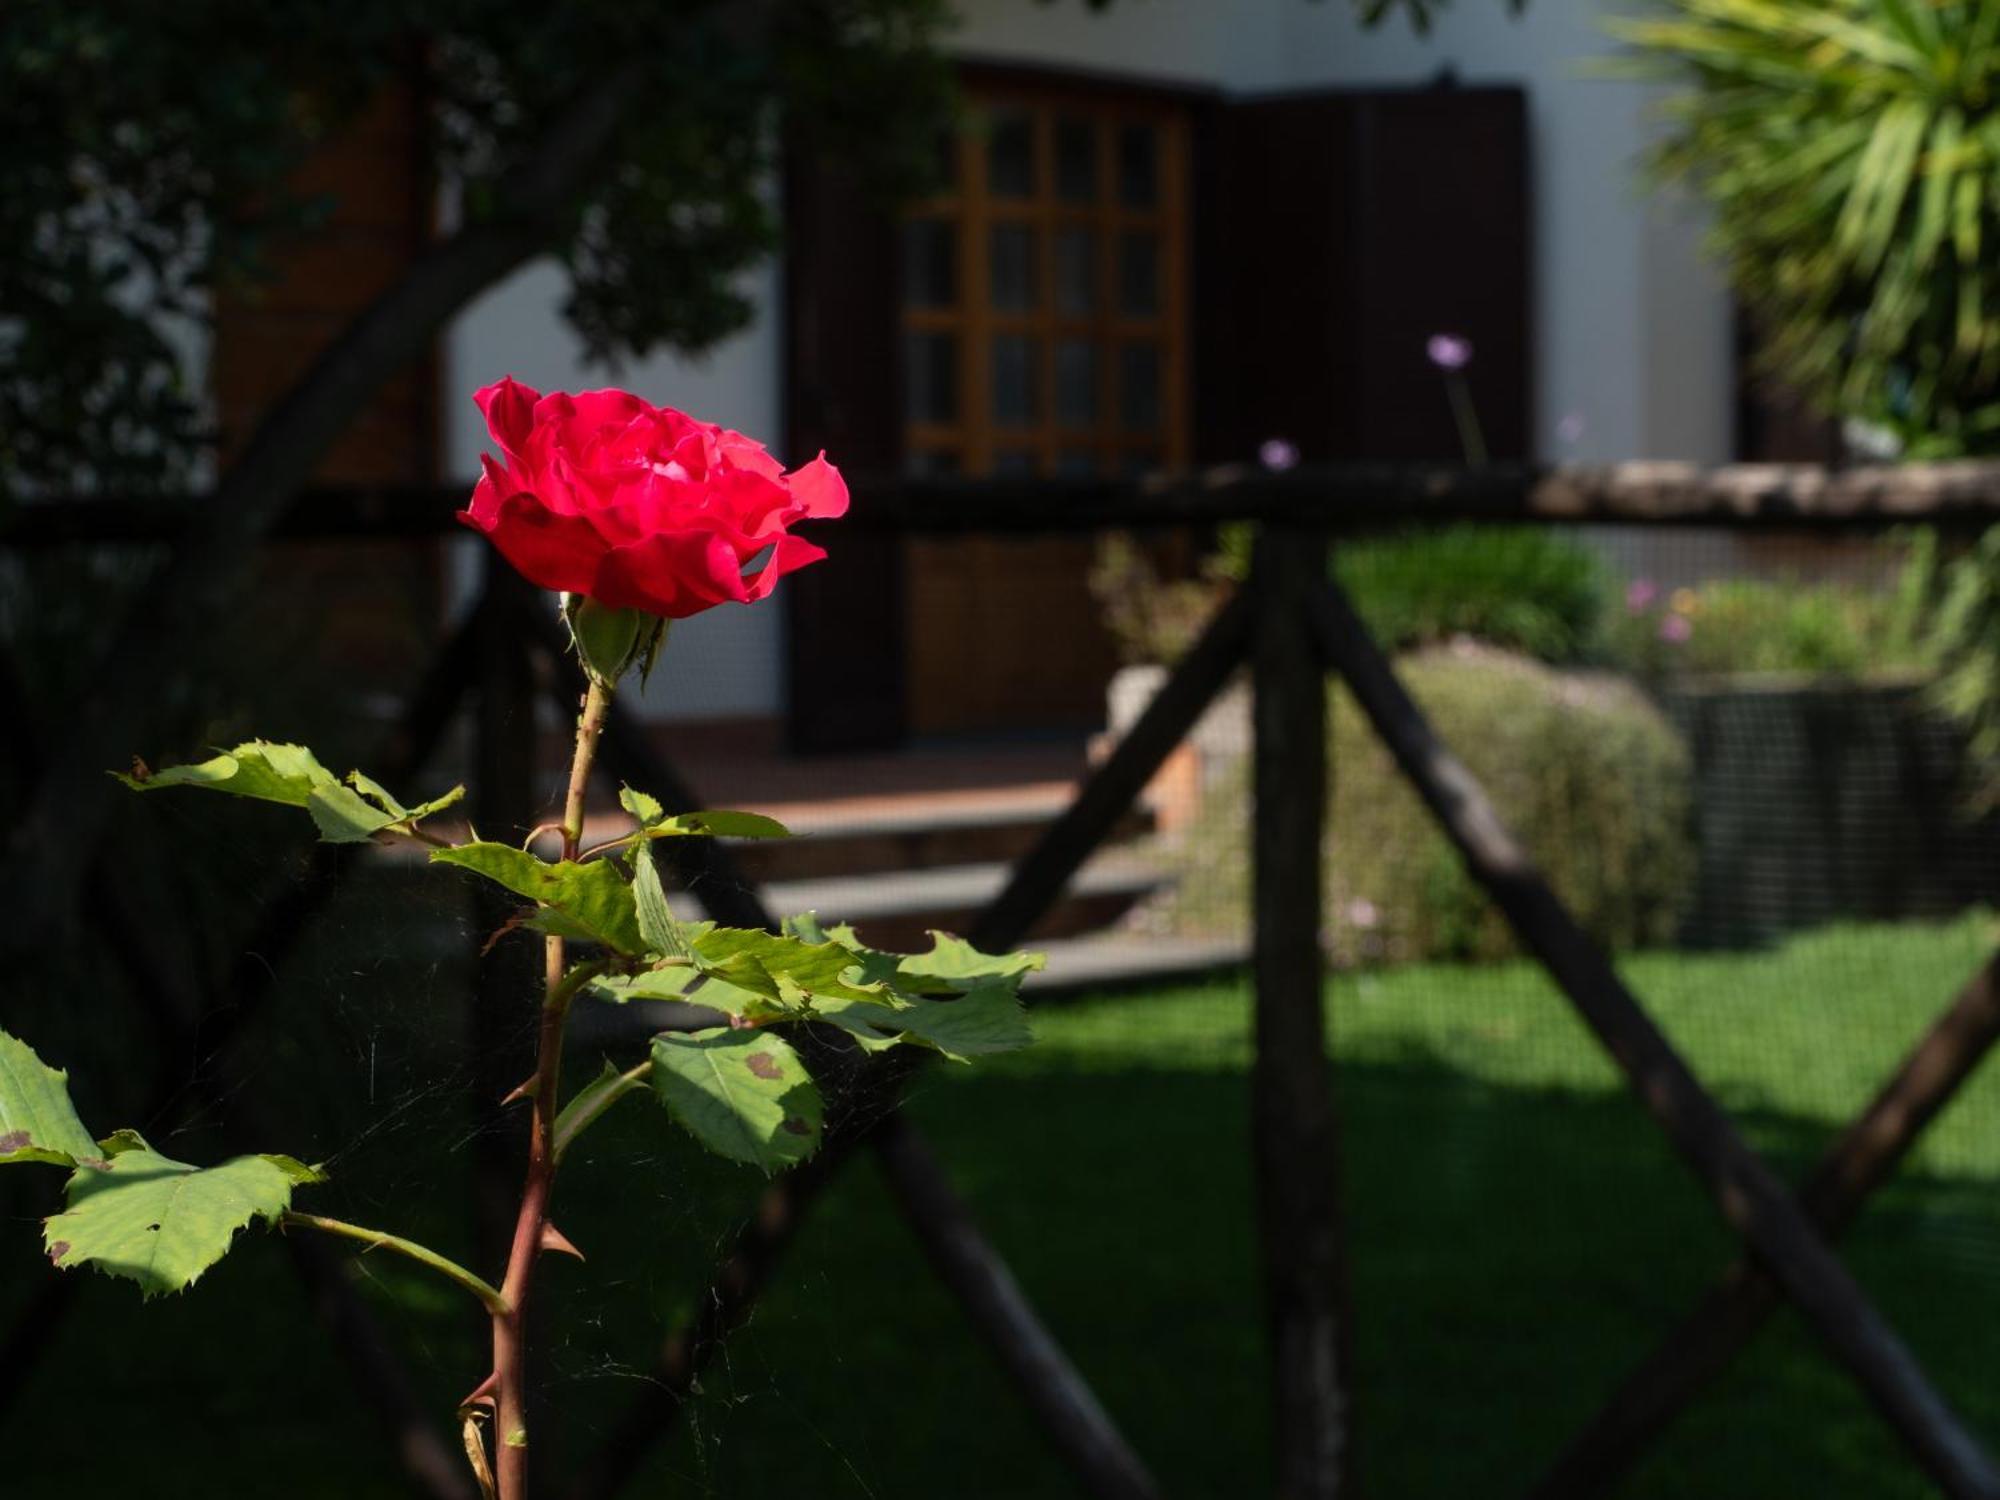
(844, 616)
(1338, 232)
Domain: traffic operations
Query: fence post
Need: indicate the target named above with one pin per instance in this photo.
(1295, 1138)
(506, 988)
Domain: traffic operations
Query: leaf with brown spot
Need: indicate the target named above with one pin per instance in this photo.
(162, 1223)
(743, 1094)
(37, 1121)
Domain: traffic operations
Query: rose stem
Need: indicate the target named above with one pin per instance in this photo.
(510, 1325)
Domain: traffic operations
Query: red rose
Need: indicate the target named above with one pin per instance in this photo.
(640, 507)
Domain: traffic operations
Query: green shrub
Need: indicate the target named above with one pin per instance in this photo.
(1580, 765)
(1954, 600)
(1151, 618)
(1523, 588)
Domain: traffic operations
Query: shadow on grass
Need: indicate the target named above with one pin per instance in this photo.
(1514, 1251)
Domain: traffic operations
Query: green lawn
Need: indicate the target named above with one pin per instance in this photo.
(1519, 1235)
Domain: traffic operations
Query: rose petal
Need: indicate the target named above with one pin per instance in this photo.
(674, 574)
(789, 555)
(553, 550)
(493, 485)
(747, 453)
(747, 505)
(684, 457)
(509, 409)
(581, 417)
(648, 503)
(640, 506)
(818, 488)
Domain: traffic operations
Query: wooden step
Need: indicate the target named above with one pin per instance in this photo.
(1117, 959)
(837, 843)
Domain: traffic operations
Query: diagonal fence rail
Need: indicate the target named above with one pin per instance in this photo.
(1750, 1196)
(1722, 1324)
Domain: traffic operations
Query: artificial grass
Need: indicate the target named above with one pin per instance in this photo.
(1519, 1234)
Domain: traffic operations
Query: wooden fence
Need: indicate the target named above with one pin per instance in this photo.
(1292, 627)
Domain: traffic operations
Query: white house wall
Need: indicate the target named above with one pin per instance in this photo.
(1632, 330)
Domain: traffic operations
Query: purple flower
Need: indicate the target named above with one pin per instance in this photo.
(1639, 593)
(1449, 351)
(1675, 629)
(1278, 455)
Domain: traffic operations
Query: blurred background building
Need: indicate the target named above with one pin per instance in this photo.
(1173, 230)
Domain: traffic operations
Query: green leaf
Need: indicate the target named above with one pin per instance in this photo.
(744, 1094)
(375, 791)
(657, 924)
(345, 812)
(644, 808)
(121, 1141)
(425, 809)
(257, 768)
(343, 816)
(720, 823)
(687, 982)
(592, 902)
(668, 983)
(655, 822)
(162, 1223)
(986, 1019)
(37, 1121)
(955, 962)
(952, 965)
(783, 968)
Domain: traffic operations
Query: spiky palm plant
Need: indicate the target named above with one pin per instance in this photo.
(1850, 150)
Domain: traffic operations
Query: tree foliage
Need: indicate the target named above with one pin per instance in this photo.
(1850, 151)
(152, 153)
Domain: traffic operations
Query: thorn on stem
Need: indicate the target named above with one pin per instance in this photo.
(555, 1240)
(521, 1092)
(482, 1394)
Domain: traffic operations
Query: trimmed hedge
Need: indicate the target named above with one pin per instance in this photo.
(1582, 766)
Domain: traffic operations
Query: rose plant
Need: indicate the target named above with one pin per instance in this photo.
(637, 515)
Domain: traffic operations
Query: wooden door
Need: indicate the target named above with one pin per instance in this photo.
(1044, 320)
